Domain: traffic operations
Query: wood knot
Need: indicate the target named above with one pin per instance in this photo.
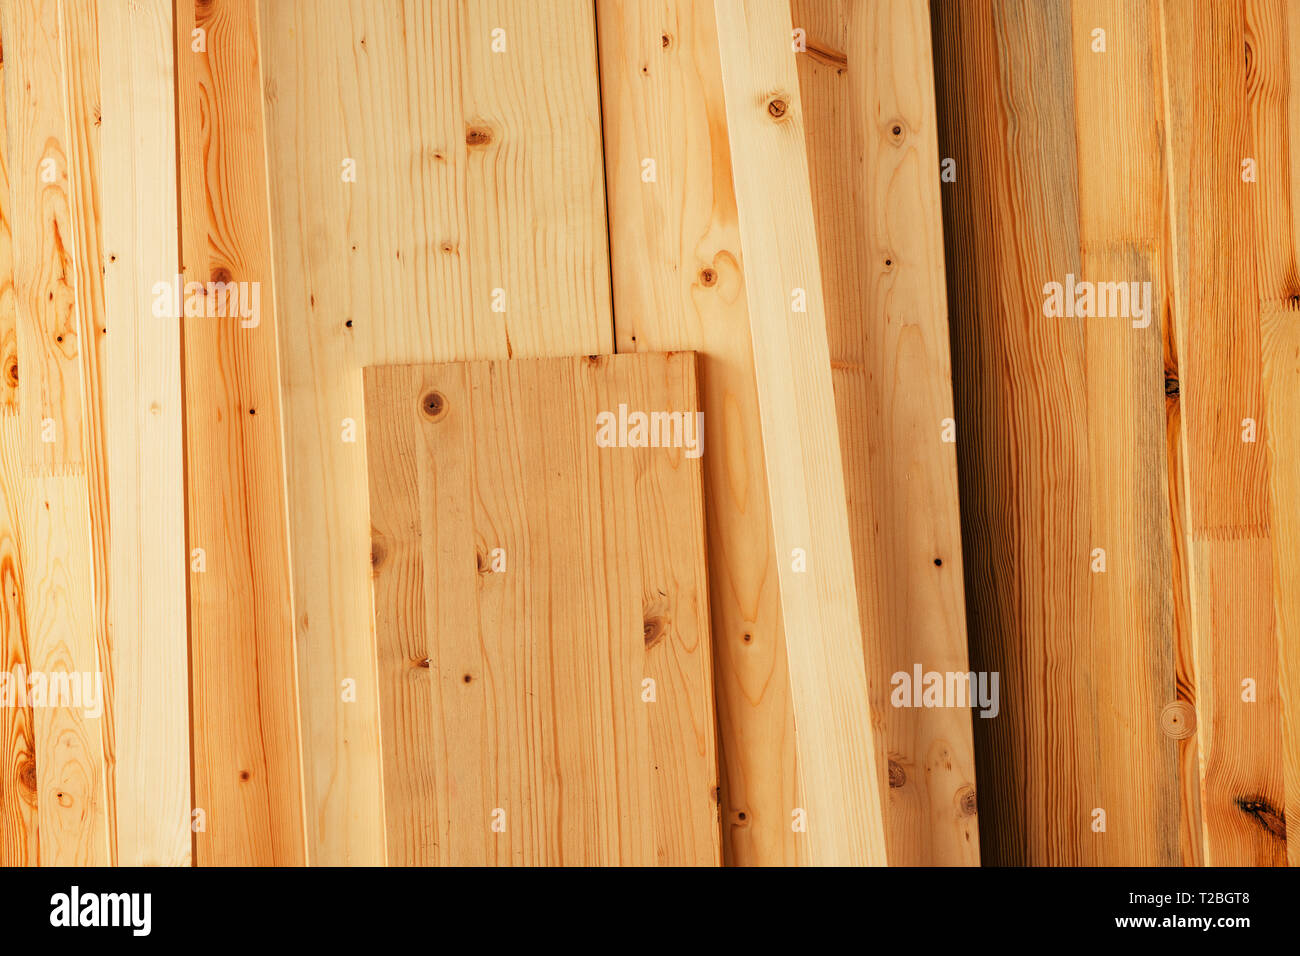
(1178, 720)
(740, 819)
(1260, 810)
(478, 136)
(27, 776)
(221, 274)
(966, 801)
(1171, 385)
(653, 630)
(666, 40)
(708, 278)
(378, 553)
(896, 132)
(897, 778)
(433, 405)
(424, 662)
(11, 371)
(482, 562)
(777, 107)
(715, 794)
(245, 776)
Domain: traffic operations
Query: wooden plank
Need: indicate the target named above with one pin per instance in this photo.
(50, 382)
(143, 414)
(678, 283)
(247, 760)
(866, 79)
(80, 42)
(1064, 449)
(1213, 94)
(836, 749)
(8, 306)
(462, 187)
(18, 778)
(529, 581)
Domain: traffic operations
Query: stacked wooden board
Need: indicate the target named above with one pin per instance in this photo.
(334, 540)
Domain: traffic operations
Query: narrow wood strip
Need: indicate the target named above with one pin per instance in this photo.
(867, 84)
(247, 760)
(143, 415)
(678, 284)
(797, 408)
(8, 305)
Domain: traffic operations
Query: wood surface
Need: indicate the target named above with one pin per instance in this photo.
(678, 283)
(247, 756)
(144, 419)
(466, 182)
(1062, 435)
(1229, 99)
(528, 583)
(866, 79)
(824, 636)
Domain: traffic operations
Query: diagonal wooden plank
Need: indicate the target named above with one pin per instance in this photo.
(836, 750)
(866, 79)
(542, 614)
(247, 760)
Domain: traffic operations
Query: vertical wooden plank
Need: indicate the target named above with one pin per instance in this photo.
(836, 750)
(8, 307)
(50, 384)
(528, 583)
(247, 759)
(1273, 38)
(678, 283)
(18, 777)
(1213, 90)
(143, 414)
(452, 149)
(867, 84)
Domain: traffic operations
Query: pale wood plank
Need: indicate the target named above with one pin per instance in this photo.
(678, 284)
(247, 760)
(50, 381)
(143, 415)
(868, 89)
(451, 201)
(519, 686)
(8, 305)
(824, 637)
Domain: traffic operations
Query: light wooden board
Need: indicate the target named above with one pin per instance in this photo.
(528, 584)
(867, 83)
(8, 307)
(143, 415)
(18, 780)
(678, 284)
(247, 759)
(1229, 99)
(465, 183)
(824, 638)
(1062, 436)
(41, 210)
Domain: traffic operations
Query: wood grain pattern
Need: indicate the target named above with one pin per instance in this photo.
(8, 307)
(18, 780)
(247, 759)
(824, 637)
(143, 416)
(528, 583)
(1062, 443)
(867, 84)
(1226, 102)
(50, 380)
(467, 182)
(678, 283)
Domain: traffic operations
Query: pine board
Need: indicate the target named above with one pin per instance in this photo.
(247, 759)
(866, 79)
(515, 721)
(466, 182)
(824, 637)
(678, 283)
